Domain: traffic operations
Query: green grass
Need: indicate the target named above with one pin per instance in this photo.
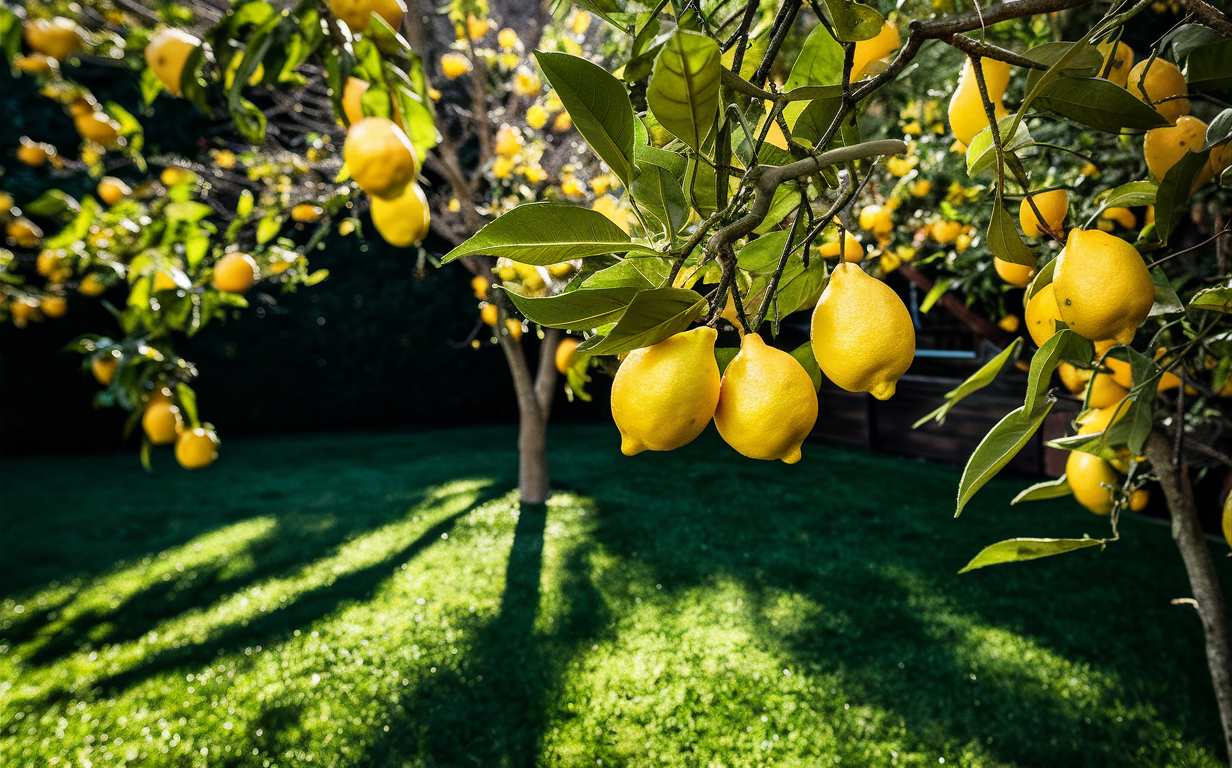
(379, 600)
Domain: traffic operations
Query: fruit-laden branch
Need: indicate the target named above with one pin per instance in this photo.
(765, 180)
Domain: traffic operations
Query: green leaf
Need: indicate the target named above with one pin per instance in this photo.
(820, 61)
(1003, 238)
(268, 228)
(815, 120)
(580, 310)
(1220, 129)
(1166, 300)
(1206, 67)
(1172, 201)
(186, 398)
(1064, 344)
(1015, 550)
(676, 164)
(1085, 61)
(786, 199)
(659, 192)
(761, 256)
(627, 273)
(683, 92)
(799, 288)
(977, 381)
(852, 21)
(187, 210)
(723, 356)
(935, 293)
(1135, 193)
(599, 106)
(53, 204)
(1049, 489)
(1094, 444)
(1098, 103)
(982, 155)
(998, 447)
(1214, 299)
(547, 233)
(652, 316)
(804, 354)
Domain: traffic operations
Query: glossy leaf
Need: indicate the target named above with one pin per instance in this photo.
(804, 354)
(975, 382)
(1017, 550)
(982, 155)
(581, 310)
(1086, 60)
(1166, 300)
(1213, 299)
(1098, 103)
(1207, 66)
(1049, 489)
(599, 106)
(624, 274)
(1172, 201)
(762, 255)
(1004, 240)
(683, 92)
(1135, 193)
(852, 21)
(816, 118)
(820, 61)
(659, 192)
(652, 316)
(1062, 345)
(547, 233)
(999, 446)
(1094, 444)
(1220, 129)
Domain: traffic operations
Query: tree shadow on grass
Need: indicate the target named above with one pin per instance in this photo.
(493, 710)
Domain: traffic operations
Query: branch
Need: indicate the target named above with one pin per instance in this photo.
(1209, 16)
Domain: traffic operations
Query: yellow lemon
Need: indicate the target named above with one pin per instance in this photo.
(1139, 499)
(850, 249)
(24, 232)
(353, 99)
(98, 128)
(946, 231)
(1122, 216)
(489, 314)
(57, 38)
(380, 157)
(767, 404)
(1091, 479)
(886, 42)
(1122, 62)
(1156, 84)
(664, 396)
(1103, 391)
(111, 190)
(1042, 314)
(235, 273)
(161, 422)
(1009, 323)
(455, 64)
(34, 154)
(1103, 289)
(356, 13)
(402, 221)
(91, 285)
(966, 111)
(196, 448)
(53, 306)
(564, 353)
(1098, 419)
(1017, 275)
(1163, 148)
(1053, 205)
(1073, 378)
(307, 213)
(167, 53)
(862, 333)
(104, 367)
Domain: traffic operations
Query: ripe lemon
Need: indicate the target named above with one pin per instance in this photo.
(1122, 216)
(1139, 499)
(886, 42)
(91, 285)
(488, 313)
(111, 190)
(402, 221)
(1073, 378)
(664, 396)
(1009, 323)
(1098, 419)
(196, 448)
(945, 231)
(353, 99)
(1123, 62)
(1091, 479)
(307, 213)
(32, 153)
(380, 157)
(53, 306)
(56, 38)
(24, 232)
(966, 111)
(1053, 205)
(161, 422)
(1042, 314)
(356, 13)
(852, 251)
(862, 333)
(1162, 80)
(1102, 286)
(767, 404)
(564, 353)
(1017, 275)
(479, 285)
(167, 53)
(235, 273)
(1121, 372)
(98, 128)
(104, 367)
(1162, 148)
(1103, 391)
(163, 281)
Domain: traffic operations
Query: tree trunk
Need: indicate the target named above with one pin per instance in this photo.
(1173, 472)
(534, 407)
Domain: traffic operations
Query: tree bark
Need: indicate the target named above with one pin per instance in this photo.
(534, 406)
(1173, 473)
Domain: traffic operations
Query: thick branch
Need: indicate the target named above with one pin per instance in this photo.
(545, 377)
(1208, 15)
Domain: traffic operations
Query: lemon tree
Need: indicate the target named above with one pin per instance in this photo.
(778, 158)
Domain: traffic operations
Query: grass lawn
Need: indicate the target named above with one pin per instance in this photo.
(379, 600)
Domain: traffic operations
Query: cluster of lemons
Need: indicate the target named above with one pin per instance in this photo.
(523, 279)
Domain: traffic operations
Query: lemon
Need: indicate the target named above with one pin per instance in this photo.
(1157, 84)
(1121, 372)
(767, 404)
(1017, 275)
(56, 38)
(945, 232)
(966, 111)
(380, 157)
(1122, 216)
(353, 99)
(92, 285)
(104, 367)
(34, 154)
(1162, 148)
(1123, 62)
(1091, 479)
(489, 314)
(564, 353)
(235, 273)
(98, 128)
(1102, 286)
(1073, 378)
(1139, 499)
(455, 64)
(111, 190)
(887, 41)
(196, 448)
(402, 221)
(356, 13)
(1042, 314)
(1097, 420)
(663, 396)
(1053, 205)
(53, 306)
(479, 285)
(24, 232)
(307, 213)
(1103, 391)
(862, 334)
(851, 249)
(1009, 323)
(163, 281)
(161, 422)
(167, 53)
